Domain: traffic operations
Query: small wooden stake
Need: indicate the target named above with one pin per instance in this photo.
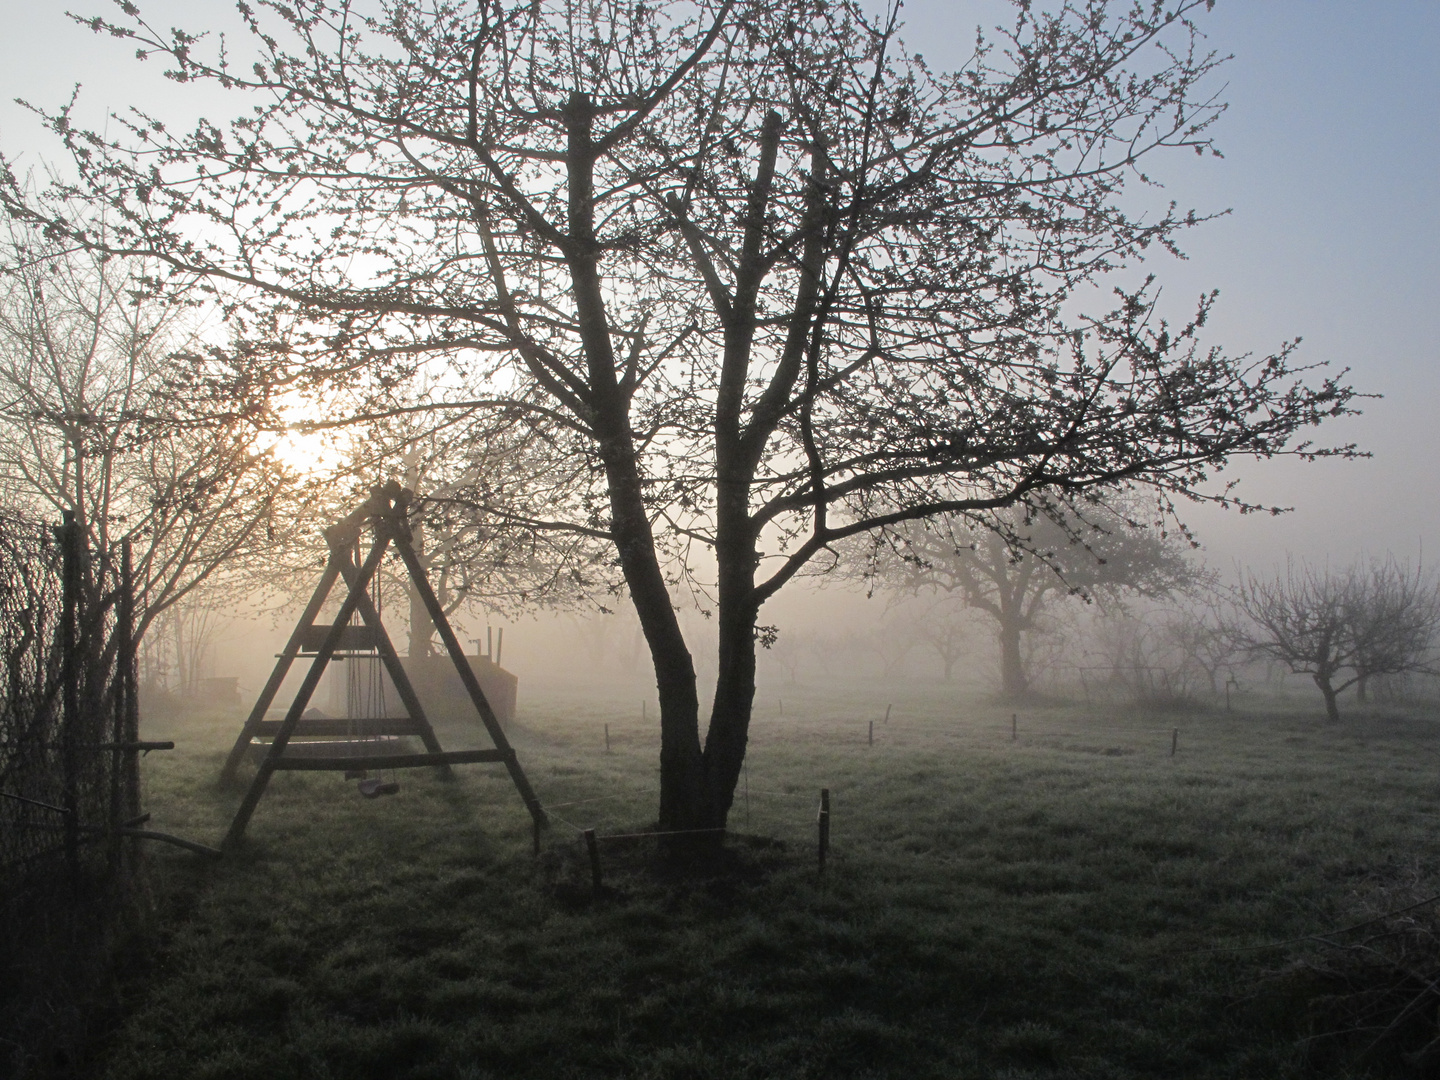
(782, 706)
(1174, 741)
(887, 713)
(823, 824)
(872, 732)
(594, 851)
(1014, 727)
(607, 738)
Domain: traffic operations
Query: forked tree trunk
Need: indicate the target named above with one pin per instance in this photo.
(729, 732)
(1332, 699)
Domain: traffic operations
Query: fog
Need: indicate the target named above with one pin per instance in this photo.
(1327, 230)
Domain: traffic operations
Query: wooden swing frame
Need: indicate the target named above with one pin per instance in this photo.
(386, 513)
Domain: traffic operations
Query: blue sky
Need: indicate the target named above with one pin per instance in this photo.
(1332, 153)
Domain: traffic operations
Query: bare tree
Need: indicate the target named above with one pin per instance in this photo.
(1342, 627)
(90, 422)
(1013, 565)
(771, 279)
(1204, 637)
(948, 634)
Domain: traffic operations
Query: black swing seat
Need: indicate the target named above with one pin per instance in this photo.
(319, 745)
(340, 727)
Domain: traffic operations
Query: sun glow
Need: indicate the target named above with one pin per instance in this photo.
(302, 448)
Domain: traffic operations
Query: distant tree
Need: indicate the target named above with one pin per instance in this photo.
(1343, 627)
(1013, 565)
(94, 421)
(1156, 655)
(772, 281)
(1205, 637)
(947, 633)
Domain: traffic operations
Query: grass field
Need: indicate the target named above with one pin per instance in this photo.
(1071, 902)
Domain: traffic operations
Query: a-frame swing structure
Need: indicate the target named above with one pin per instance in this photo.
(385, 512)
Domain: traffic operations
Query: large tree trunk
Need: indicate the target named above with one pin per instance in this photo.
(1332, 705)
(729, 732)
(682, 771)
(1013, 683)
(682, 768)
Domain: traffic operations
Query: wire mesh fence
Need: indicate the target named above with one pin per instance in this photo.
(69, 782)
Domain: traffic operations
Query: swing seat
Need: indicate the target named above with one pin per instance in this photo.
(333, 747)
(374, 787)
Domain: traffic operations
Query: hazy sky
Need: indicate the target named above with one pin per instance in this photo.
(1332, 154)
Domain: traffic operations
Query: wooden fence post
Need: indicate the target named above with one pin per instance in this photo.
(607, 738)
(823, 825)
(593, 849)
(1014, 727)
(1174, 741)
(887, 713)
(70, 683)
(872, 732)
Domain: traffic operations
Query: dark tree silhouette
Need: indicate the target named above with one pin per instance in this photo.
(774, 280)
(90, 424)
(1343, 627)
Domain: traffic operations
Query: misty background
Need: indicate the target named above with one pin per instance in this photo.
(1330, 153)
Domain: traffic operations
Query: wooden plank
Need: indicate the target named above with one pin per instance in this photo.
(339, 727)
(352, 638)
(333, 747)
(390, 761)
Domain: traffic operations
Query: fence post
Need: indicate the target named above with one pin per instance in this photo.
(887, 713)
(1014, 727)
(70, 676)
(1174, 741)
(872, 732)
(607, 738)
(593, 849)
(823, 825)
(124, 765)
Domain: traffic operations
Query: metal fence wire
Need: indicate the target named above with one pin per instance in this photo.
(69, 776)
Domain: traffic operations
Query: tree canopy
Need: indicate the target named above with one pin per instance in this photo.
(769, 278)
